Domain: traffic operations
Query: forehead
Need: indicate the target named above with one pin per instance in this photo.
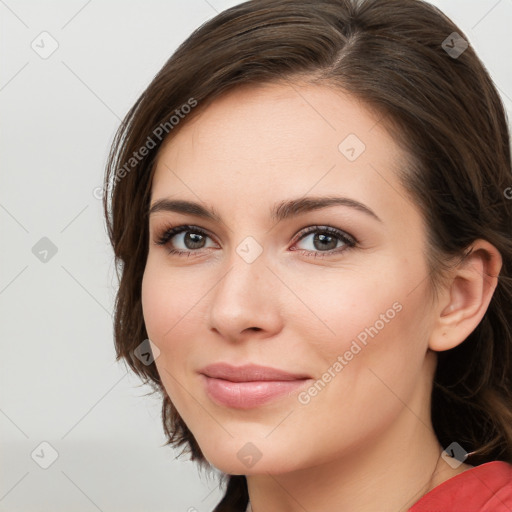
(284, 119)
(279, 140)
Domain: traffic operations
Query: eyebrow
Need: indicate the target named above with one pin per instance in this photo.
(281, 211)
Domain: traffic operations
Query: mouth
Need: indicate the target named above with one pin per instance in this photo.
(249, 386)
(250, 394)
(249, 373)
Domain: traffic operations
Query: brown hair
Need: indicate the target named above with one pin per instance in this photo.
(401, 58)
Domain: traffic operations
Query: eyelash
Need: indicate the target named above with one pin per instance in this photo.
(350, 242)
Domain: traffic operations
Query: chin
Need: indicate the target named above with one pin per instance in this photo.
(248, 460)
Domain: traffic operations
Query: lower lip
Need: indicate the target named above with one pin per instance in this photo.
(246, 395)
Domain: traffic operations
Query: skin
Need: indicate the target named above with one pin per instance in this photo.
(365, 442)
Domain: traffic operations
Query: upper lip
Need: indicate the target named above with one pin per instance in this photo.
(248, 373)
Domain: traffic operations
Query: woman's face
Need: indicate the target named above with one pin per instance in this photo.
(267, 284)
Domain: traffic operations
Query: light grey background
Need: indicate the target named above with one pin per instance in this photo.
(59, 381)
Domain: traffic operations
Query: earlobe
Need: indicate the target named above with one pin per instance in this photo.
(467, 296)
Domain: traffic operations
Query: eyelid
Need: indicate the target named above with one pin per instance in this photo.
(167, 233)
(327, 229)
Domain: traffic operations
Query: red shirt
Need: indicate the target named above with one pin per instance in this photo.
(484, 488)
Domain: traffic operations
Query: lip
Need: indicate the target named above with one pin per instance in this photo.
(249, 373)
(249, 386)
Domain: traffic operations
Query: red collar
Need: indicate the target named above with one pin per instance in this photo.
(484, 488)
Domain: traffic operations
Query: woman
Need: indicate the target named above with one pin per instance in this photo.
(311, 208)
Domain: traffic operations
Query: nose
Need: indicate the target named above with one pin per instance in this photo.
(246, 301)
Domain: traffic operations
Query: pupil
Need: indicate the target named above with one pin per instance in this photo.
(324, 238)
(194, 239)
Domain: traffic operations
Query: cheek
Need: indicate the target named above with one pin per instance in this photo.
(154, 298)
(372, 318)
(173, 306)
(342, 306)
(166, 301)
(165, 316)
(375, 355)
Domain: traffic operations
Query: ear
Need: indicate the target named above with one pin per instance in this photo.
(464, 300)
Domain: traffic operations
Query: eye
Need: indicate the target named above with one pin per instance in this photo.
(326, 239)
(322, 239)
(191, 238)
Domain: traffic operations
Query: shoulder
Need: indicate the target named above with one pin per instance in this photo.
(484, 488)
